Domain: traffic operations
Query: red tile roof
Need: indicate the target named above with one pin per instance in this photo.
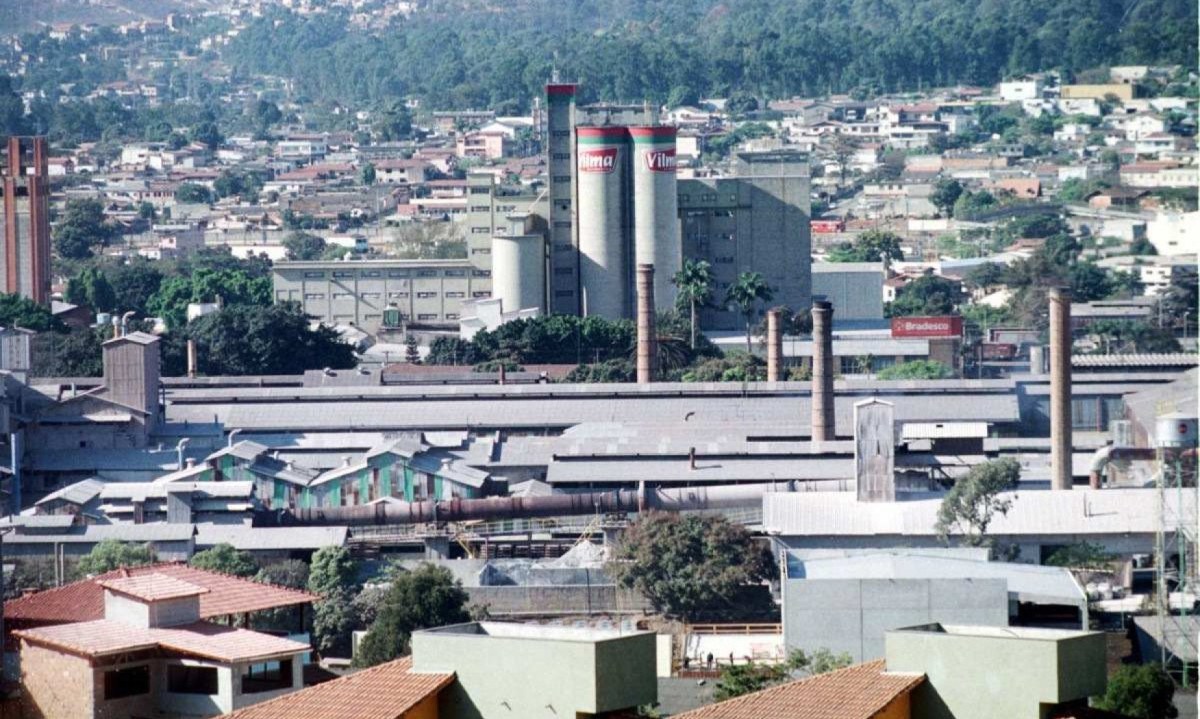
(858, 692)
(201, 639)
(84, 600)
(387, 691)
(152, 587)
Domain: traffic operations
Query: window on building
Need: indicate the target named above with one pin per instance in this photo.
(314, 295)
(451, 316)
(481, 294)
(427, 317)
(1085, 414)
(506, 208)
(191, 680)
(561, 156)
(562, 178)
(267, 677)
(313, 275)
(397, 273)
(370, 295)
(343, 273)
(481, 273)
(560, 133)
(370, 273)
(427, 273)
(127, 682)
(456, 273)
(397, 295)
(455, 295)
(481, 190)
(343, 295)
(722, 213)
(480, 230)
(426, 295)
(480, 208)
(562, 224)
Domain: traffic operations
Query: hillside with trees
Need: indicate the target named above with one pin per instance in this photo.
(472, 54)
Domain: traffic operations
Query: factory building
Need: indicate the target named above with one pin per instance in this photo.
(754, 221)
(25, 221)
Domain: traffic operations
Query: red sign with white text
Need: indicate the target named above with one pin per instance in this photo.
(927, 327)
(602, 160)
(660, 160)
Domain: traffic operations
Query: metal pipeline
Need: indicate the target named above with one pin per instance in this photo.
(560, 505)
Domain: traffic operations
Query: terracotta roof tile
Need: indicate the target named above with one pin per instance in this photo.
(387, 691)
(152, 587)
(84, 600)
(858, 692)
(202, 639)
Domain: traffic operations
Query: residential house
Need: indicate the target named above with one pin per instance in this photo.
(152, 652)
(1175, 233)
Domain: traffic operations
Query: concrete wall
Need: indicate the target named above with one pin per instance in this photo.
(855, 289)
(853, 615)
(1017, 675)
(55, 684)
(569, 599)
(537, 678)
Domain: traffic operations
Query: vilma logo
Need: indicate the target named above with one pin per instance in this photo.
(598, 160)
(660, 160)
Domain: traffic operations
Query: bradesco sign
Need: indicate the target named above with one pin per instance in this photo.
(927, 327)
(601, 160)
(660, 160)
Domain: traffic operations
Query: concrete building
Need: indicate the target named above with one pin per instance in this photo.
(425, 293)
(854, 288)
(1030, 673)
(540, 672)
(847, 603)
(25, 221)
(754, 221)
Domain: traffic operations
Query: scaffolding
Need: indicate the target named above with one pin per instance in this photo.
(1177, 571)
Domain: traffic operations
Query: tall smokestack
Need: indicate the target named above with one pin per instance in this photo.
(822, 372)
(774, 345)
(647, 352)
(1060, 389)
(191, 358)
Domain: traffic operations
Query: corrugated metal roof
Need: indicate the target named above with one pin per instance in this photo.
(944, 430)
(269, 538)
(80, 492)
(93, 533)
(1176, 359)
(1028, 582)
(1078, 512)
(708, 469)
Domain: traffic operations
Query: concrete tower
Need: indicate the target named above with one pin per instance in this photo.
(602, 161)
(656, 238)
(25, 221)
(560, 146)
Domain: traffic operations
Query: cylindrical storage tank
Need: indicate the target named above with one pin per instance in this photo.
(518, 264)
(603, 271)
(656, 238)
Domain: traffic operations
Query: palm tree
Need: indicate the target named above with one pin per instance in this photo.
(695, 283)
(745, 294)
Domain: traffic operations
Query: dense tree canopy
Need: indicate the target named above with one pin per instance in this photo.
(664, 49)
(224, 558)
(975, 500)
(1143, 691)
(428, 596)
(110, 554)
(689, 564)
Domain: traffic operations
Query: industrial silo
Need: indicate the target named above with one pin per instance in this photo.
(655, 208)
(518, 271)
(601, 162)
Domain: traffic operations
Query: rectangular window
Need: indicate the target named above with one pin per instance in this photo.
(397, 273)
(481, 294)
(481, 273)
(451, 316)
(480, 190)
(397, 295)
(268, 677)
(191, 680)
(560, 133)
(343, 296)
(370, 273)
(561, 156)
(506, 208)
(480, 208)
(343, 274)
(426, 295)
(127, 682)
(480, 230)
(456, 273)
(455, 295)
(722, 213)
(426, 318)
(562, 224)
(313, 275)
(427, 273)
(314, 295)
(370, 295)
(562, 178)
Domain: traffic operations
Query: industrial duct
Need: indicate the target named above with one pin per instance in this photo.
(558, 505)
